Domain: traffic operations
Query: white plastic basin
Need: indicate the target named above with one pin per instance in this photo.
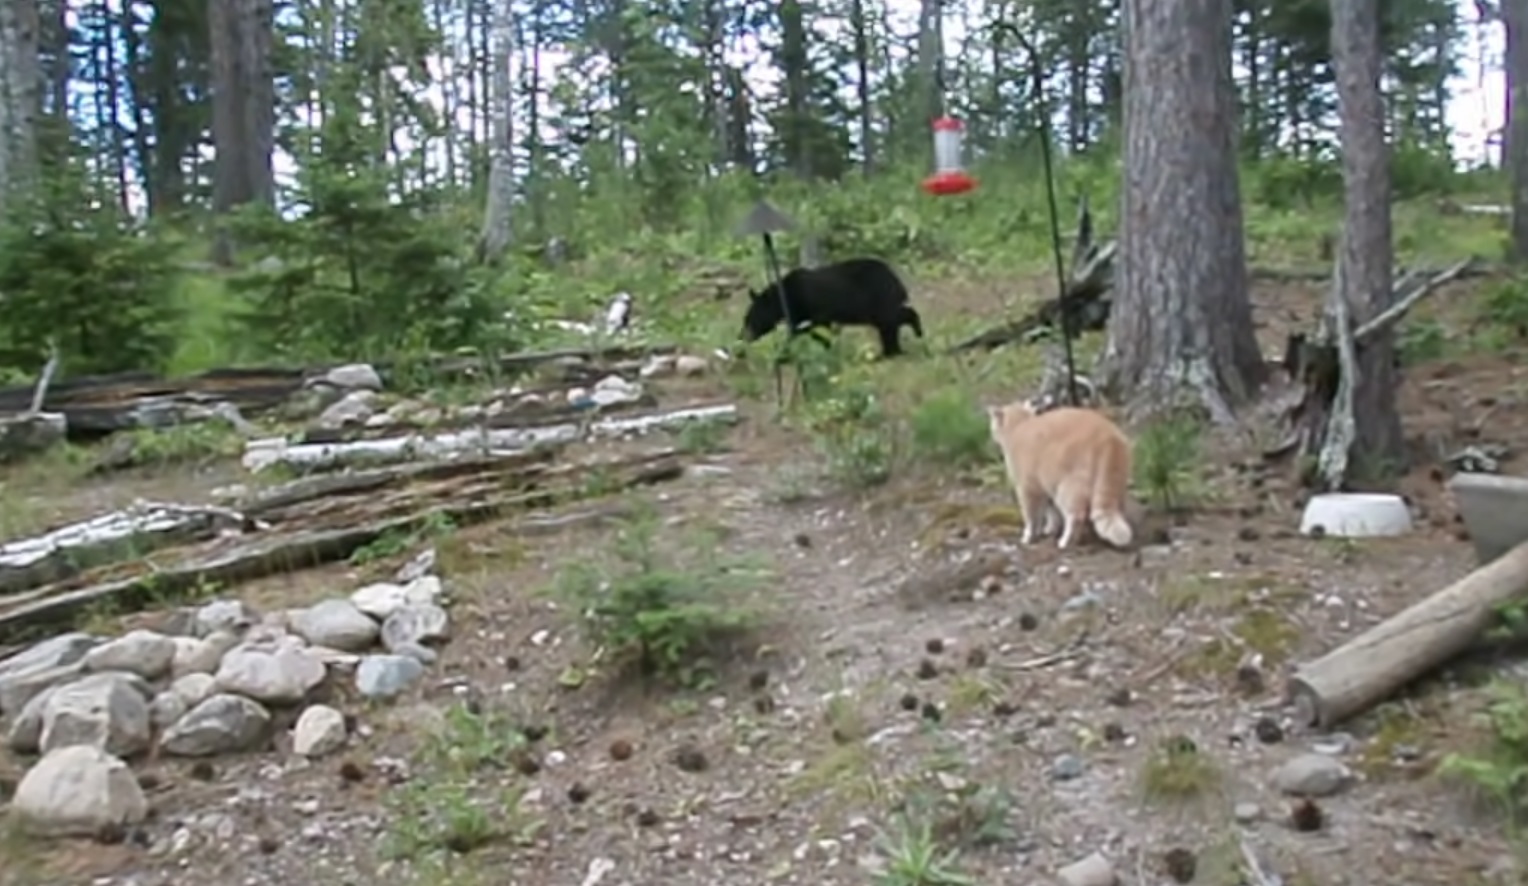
(1356, 514)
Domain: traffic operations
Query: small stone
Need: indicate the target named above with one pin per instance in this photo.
(647, 817)
(1246, 813)
(976, 658)
(1311, 775)
(1114, 732)
(416, 624)
(1094, 870)
(379, 600)
(384, 676)
(230, 616)
(1067, 767)
(319, 731)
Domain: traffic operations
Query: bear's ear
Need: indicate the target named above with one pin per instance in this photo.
(753, 295)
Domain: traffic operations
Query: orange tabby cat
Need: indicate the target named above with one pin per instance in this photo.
(1067, 460)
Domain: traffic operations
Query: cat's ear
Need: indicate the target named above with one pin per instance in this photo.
(995, 414)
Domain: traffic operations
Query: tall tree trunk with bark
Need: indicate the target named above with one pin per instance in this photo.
(1379, 446)
(243, 109)
(1515, 13)
(20, 99)
(498, 212)
(1182, 321)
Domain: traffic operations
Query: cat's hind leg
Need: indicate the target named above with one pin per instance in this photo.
(1072, 500)
(1035, 506)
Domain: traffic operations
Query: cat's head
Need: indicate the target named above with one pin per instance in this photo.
(1010, 414)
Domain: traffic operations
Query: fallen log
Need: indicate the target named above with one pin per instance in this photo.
(94, 406)
(1084, 304)
(268, 504)
(1369, 667)
(135, 583)
(132, 532)
(520, 413)
(261, 454)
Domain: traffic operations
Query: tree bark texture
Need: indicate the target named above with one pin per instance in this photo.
(1380, 445)
(243, 108)
(1515, 13)
(20, 98)
(498, 212)
(1182, 321)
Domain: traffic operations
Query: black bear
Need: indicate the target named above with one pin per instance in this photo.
(853, 292)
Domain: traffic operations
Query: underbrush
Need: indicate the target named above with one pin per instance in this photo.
(669, 608)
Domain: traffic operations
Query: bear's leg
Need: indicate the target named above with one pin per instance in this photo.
(890, 345)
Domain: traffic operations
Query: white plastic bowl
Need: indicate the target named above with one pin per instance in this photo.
(1356, 514)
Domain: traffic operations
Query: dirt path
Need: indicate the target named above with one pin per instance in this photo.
(1030, 706)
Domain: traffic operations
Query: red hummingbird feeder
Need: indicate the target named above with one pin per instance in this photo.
(949, 176)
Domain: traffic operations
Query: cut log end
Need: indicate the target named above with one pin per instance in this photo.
(1309, 712)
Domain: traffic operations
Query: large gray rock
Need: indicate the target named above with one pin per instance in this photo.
(223, 724)
(37, 667)
(103, 710)
(336, 624)
(145, 653)
(270, 667)
(78, 790)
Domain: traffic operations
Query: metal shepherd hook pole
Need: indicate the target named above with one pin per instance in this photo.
(1042, 113)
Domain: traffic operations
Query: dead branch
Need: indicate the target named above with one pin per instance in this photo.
(1342, 425)
(45, 379)
(217, 561)
(1084, 304)
(1409, 292)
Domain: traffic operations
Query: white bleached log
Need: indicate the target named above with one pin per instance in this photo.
(261, 454)
(142, 526)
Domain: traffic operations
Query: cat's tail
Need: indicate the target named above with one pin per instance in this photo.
(1110, 482)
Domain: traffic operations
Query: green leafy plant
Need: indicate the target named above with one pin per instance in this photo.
(1500, 769)
(950, 427)
(668, 615)
(1167, 454)
(911, 855)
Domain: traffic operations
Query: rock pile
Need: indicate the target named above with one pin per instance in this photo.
(207, 685)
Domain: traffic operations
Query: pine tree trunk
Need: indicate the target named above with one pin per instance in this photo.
(1515, 12)
(1181, 330)
(498, 213)
(1379, 446)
